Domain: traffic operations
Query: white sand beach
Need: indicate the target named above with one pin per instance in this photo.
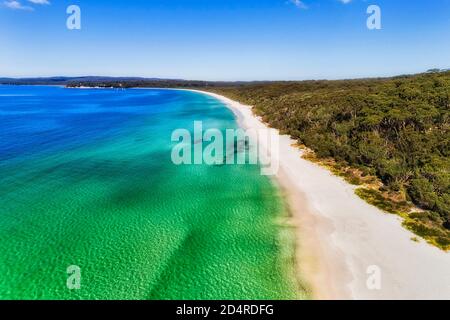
(340, 236)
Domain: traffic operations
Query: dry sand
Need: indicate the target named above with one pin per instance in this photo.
(340, 236)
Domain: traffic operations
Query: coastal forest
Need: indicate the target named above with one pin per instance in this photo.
(396, 130)
(390, 136)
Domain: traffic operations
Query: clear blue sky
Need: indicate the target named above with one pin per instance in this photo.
(224, 39)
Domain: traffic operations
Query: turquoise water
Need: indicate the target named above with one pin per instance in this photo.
(86, 179)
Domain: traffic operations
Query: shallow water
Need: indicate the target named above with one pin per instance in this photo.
(86, 179)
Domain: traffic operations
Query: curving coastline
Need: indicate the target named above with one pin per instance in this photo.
(341, 237)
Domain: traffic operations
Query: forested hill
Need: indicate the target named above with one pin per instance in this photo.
(118, 82)
(397, 129)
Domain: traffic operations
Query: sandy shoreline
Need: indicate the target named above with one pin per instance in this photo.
(340, 236)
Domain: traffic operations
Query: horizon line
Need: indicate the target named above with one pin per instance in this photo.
(202, 80)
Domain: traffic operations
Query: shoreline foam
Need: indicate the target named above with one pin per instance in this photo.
(340, 236)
